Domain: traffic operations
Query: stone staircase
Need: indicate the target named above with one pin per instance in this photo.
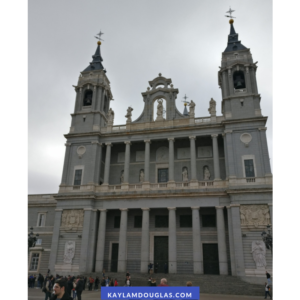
(209, 284)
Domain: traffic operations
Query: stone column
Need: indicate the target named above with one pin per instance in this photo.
(230, 82)
(92, 242)
(145, 241)
(85, 236)
(107, 164)
(225, 154)
(216, 157)
(101, 241)
(122, 241)
(248, 80)
(265, 152)
(66, 164)
(271, 212)
(171, 182)
(230, 154)
(79, 99)
(98, 165)
(172, 241)
(197, 245)
(194, 181)
(126, 165)
(95, 159)
(223, 263)
(237, 240)
(146, 183)
(94, 97)
(231, 245)
(55, 239)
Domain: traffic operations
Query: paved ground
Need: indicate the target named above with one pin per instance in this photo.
(37, 294)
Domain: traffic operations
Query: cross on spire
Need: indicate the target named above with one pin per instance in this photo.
(230, 12)
(99, 36)
(185, 102)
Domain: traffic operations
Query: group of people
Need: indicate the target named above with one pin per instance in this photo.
(156, 267)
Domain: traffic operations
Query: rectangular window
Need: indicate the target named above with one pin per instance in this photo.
(185, 221)
(34, 261)
(249, 168)
(38, 242)
(77, 178)
(208, 220)
(161, 221)
(41, 220)
(138, 221)
(117, 221)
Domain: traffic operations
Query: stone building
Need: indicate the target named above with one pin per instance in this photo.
(191, 192)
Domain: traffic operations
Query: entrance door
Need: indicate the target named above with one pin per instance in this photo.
(211, 259)
(161, 253)
(114, 257)
(163, 175)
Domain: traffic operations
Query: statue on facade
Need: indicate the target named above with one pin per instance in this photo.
(110, 117)
(122, 176)
(259, 253)
(160, 110)
(142, 176)
(206, 173)
(212, 107)
(185, 175)
(129, 114)
(192, 108)
(69, 252)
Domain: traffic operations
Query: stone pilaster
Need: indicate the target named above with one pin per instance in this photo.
(225, 154)
(193, 161)
(107, 164)
(145, 241)
(101, 241)
(223, 264)
(122, 262)
(66, 164)
(231, 245)
(197, 246)
(126, 165)
(146, 183)
(95, 158)
(172, 241)
(265, 152)
(230, 154)
(230, 82)
(171, 182)
(216, 157)
(271, 212)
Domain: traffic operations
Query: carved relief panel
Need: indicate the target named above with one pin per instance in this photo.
(72, 219)
(69, 252)
(255, 215)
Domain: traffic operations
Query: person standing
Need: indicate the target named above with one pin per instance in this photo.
(70, 285)
(91, 282)
(189, 283)
(74, 288)
(97, 281)
(84, 282)
(79, 287)
(127, 281)
(268, 278)
(116, 282)
(267, 291)
(163, 282)
(48, 287)
(60, 290)
(156, 268)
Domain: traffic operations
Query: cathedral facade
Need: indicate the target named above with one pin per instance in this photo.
(188, 194)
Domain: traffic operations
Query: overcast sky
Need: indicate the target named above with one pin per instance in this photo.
(183, 40)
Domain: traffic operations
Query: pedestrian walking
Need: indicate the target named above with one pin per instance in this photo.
(48, 287)
(79, 287)
(84, 282)
(74, 289)
(70, 285)
(127, 281)
(267, 291)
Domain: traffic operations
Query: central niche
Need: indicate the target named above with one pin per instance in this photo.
(159, 110)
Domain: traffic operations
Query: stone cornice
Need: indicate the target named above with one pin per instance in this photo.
(241, 96)
(245, 120)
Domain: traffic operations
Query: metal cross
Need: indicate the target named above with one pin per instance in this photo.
(230, 12)
(99, 34)
(185, 97)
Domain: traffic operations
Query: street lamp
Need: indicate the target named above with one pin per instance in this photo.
(32, 239)
(267, 238)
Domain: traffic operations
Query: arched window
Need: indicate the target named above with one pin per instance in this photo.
(88, 96)
(239, 80)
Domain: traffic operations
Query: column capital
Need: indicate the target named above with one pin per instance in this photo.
(227, 131)
(68, 144)
(192, 137)
(262, 128)
(195, 207)
(127, 142)
(219, 207)
(171, 208)
(109, 144)
(171, 139)
(103, 209)
(145, 208)
(123, 209)
(147, 141)
(215, 135)
(96, 142)
(228, 206)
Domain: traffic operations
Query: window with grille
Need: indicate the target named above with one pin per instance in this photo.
(161, 221)
(185, 221)
(34, 261)
(249, 168)
(138, 221)
(41, 220)
(117, 221)
(208, 220)
(77, 179)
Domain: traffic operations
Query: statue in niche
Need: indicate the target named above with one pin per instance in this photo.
(122, 176)
(142, 175)
(212, 107)
(110, 117)
(69, 252)
(185, 174)
(160, 110)
(88, 98)
(206, 173)
(192, 108)
(129, 114)
(259, 254)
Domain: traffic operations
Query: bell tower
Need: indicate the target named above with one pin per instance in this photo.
(237, 80)
(93, 95)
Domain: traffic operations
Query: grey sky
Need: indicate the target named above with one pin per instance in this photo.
(181, 39)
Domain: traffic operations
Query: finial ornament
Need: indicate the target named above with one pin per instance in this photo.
(99, 37)
(230, 16)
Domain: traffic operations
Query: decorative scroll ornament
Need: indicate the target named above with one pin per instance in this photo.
(80, 151)
(72, 219)
(255, 215)
(259, 254)
(246, 138)
(69, 252)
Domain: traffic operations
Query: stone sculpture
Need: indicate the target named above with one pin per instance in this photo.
(206, 173)
(192, 108)
(185, 175)
(259, 254)
(71, 219)
(69, 252)
(160, 110)
(212, 107)
(255, 215)
(129, 114)
(122, 177)
(142, 176)
(110, 117)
